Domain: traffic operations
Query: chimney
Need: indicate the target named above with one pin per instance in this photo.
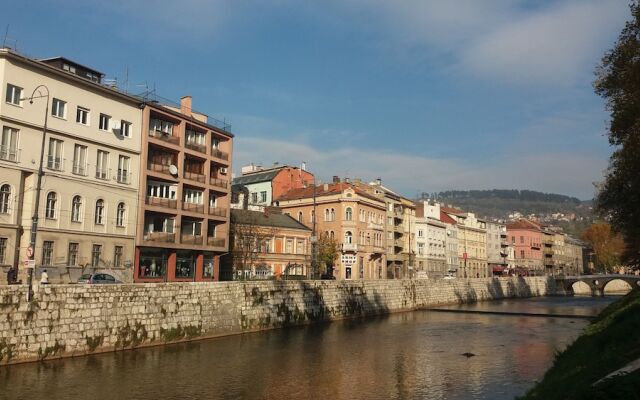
(336, 179)
(325, 187)
(303, 166)
(185, 105)
(347, 180)
(378, 181)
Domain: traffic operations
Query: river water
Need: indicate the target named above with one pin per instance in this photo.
(414, 355)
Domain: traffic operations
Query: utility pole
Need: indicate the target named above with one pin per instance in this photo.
(314, 237)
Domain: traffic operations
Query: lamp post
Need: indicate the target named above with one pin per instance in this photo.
(34, 219)
(314, 238)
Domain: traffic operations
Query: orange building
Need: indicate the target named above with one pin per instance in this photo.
(352, 216)
(183, 223)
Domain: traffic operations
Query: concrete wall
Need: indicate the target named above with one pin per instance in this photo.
(69, 320)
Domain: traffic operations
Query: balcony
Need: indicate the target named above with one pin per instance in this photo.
(102, 173)
(9, 153)
(220, 183)
(123, 176)
(166, 137)
(216, 242)
(194, 176)
(190, 239)
(219, 154)
(162, 168)
(161, 202)
(162, 237)
(398, 243)
(79, 169)
(218, 211)
(349, 247)
(201, 148)
(193, 207)
(373, 225)
(55, 163)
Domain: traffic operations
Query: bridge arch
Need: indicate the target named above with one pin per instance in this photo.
(581, 288)
(617, 286)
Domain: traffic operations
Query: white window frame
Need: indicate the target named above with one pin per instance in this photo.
(14, 95)
(59, 108)
(124, 165)
(125, 129)
(99, 212)
(9, 139)
(76, 209)
(54, 154)
(121, 210)
(80, 160)
(80, 112)
(104, 118)
(102, 164)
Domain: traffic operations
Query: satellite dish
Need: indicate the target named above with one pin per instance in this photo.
(173, 170)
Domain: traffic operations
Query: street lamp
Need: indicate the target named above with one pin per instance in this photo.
(34, 219)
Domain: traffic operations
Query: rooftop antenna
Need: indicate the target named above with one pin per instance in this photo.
(8, 39)
(126, 80)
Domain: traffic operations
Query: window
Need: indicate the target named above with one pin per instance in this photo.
(420, 233)
(117, 256)
(14, 94)
(102, 163)
(82, 116)
(123, 169)
(5, 198)
(348, 237)
(333, 214)
(215, 143)
(9, 144)
(99, 218)
(47, 252)
(76, 207)
(120, 210)
(50, 210)
(348, 215)
(521, 239)
(80, 160)
(263, 197)
(59, 108)
(254, 198)
(104, 122)
(195, 138)
(300, 217)
(195, 197)
(289, 246)
(72, 257)
(96, 253)
(161, 126)
(3, 249)
(69, 68)
(125, 129)
(521, 253)
(326, 214)
(54, 160)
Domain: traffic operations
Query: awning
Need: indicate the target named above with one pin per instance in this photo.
(498, 269)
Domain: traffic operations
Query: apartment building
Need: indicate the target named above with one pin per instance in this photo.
(283, 250)
(573, 255)
(88, 203)
(184, 198)
(430, 240)
(354, 217)
(451, 243)
(497, 244)
(262, 185)
(526, 238)
(472, 243)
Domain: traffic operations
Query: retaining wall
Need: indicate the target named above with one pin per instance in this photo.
(70, 320)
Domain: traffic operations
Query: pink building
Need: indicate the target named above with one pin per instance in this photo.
(526, 238)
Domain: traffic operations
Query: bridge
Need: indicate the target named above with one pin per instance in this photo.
(597, 283)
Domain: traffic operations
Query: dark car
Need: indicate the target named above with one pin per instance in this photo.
(98, 279)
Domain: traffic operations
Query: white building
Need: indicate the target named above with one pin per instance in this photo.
(431, 235)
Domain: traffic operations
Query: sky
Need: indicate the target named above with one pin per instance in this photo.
(426, 95)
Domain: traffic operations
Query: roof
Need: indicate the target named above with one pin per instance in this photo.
(523, 224)
(260, 218)
(257, 177)
(451, 210)
(331, 189)
(69, 61)
(444, 217)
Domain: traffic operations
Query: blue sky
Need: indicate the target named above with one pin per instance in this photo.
(427, 95)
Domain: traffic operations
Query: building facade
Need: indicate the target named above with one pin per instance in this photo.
(526, 238)
(472, 244)
(88, 204)
(451, 242)
(430, 241)
(184, 198)
(350, 215)
(497, 244)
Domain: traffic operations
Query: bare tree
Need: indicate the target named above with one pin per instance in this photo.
(249, 239)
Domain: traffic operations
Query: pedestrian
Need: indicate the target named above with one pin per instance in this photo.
(10, 277)
(44, 278)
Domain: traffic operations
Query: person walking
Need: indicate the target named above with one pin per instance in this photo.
(44, 278)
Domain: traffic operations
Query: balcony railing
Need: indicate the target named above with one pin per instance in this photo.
(218, 211)
(9, 153)
(216, 242)
(102, 173)
(167, 137)
(194, 176)
(190, 239)
(161, 202)
(123, 176)
(373, 225)
(162, 168)
(217, 182)
(193, 207)
(220, 154)
(196, 146)
(164, 237)
(79, 169)
(349, 247)
(55, 163)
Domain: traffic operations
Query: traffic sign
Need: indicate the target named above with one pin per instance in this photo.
(29, 251)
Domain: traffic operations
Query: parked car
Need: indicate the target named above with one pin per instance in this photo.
(98, 279)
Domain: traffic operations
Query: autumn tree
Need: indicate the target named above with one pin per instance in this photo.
(618, 83)
(248, 239)
(327, 252)
(607, 245)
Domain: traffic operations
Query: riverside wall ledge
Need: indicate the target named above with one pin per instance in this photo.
(73, 320)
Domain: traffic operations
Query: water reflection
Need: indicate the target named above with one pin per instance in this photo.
(402, 356)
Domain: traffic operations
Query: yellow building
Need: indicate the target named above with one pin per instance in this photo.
(472, 244)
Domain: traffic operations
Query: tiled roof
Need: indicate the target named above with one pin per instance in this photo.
(257, 177)
(523, 224)
(444, 217)
(331, 189)
(451, 210)
(275, 220)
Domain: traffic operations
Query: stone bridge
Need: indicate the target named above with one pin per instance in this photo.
(597, 283)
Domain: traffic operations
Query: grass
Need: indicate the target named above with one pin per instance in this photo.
(610, 342)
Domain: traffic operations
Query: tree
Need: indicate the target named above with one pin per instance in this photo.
(606, 244)
(248, 238)
(327, 251)
(618, 83)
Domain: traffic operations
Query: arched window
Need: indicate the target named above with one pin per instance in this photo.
(333, 215)
(368, 238)
(300, 217)
(76, 206)
(332, 235)
(348, 237)
(50, 210)
(326, 214)
(99, 220)
(348, 214)
(5, 196)
(312, 216)
(120, 214)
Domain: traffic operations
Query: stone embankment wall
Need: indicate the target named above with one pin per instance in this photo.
(70, 320)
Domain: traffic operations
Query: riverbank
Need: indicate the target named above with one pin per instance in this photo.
(609, 343)
(73, 320)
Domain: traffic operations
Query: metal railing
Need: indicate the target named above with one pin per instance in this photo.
(123, 176)
(221, 183)
(216, 242)
(220, 154)
(9, 153)
(102, 173)
(191, 239)
(162, 168)
(194, 176)
(196, 147)
(193, 207)
(164, 237)
(55, 163)
(79, 169)
(167, 137)
(218, 211)
(161, 202)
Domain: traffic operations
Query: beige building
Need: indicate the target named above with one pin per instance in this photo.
(472, 244)
(430, 241)
(349, 214)
(88, 203)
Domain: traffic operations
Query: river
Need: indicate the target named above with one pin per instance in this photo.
(414, 355)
